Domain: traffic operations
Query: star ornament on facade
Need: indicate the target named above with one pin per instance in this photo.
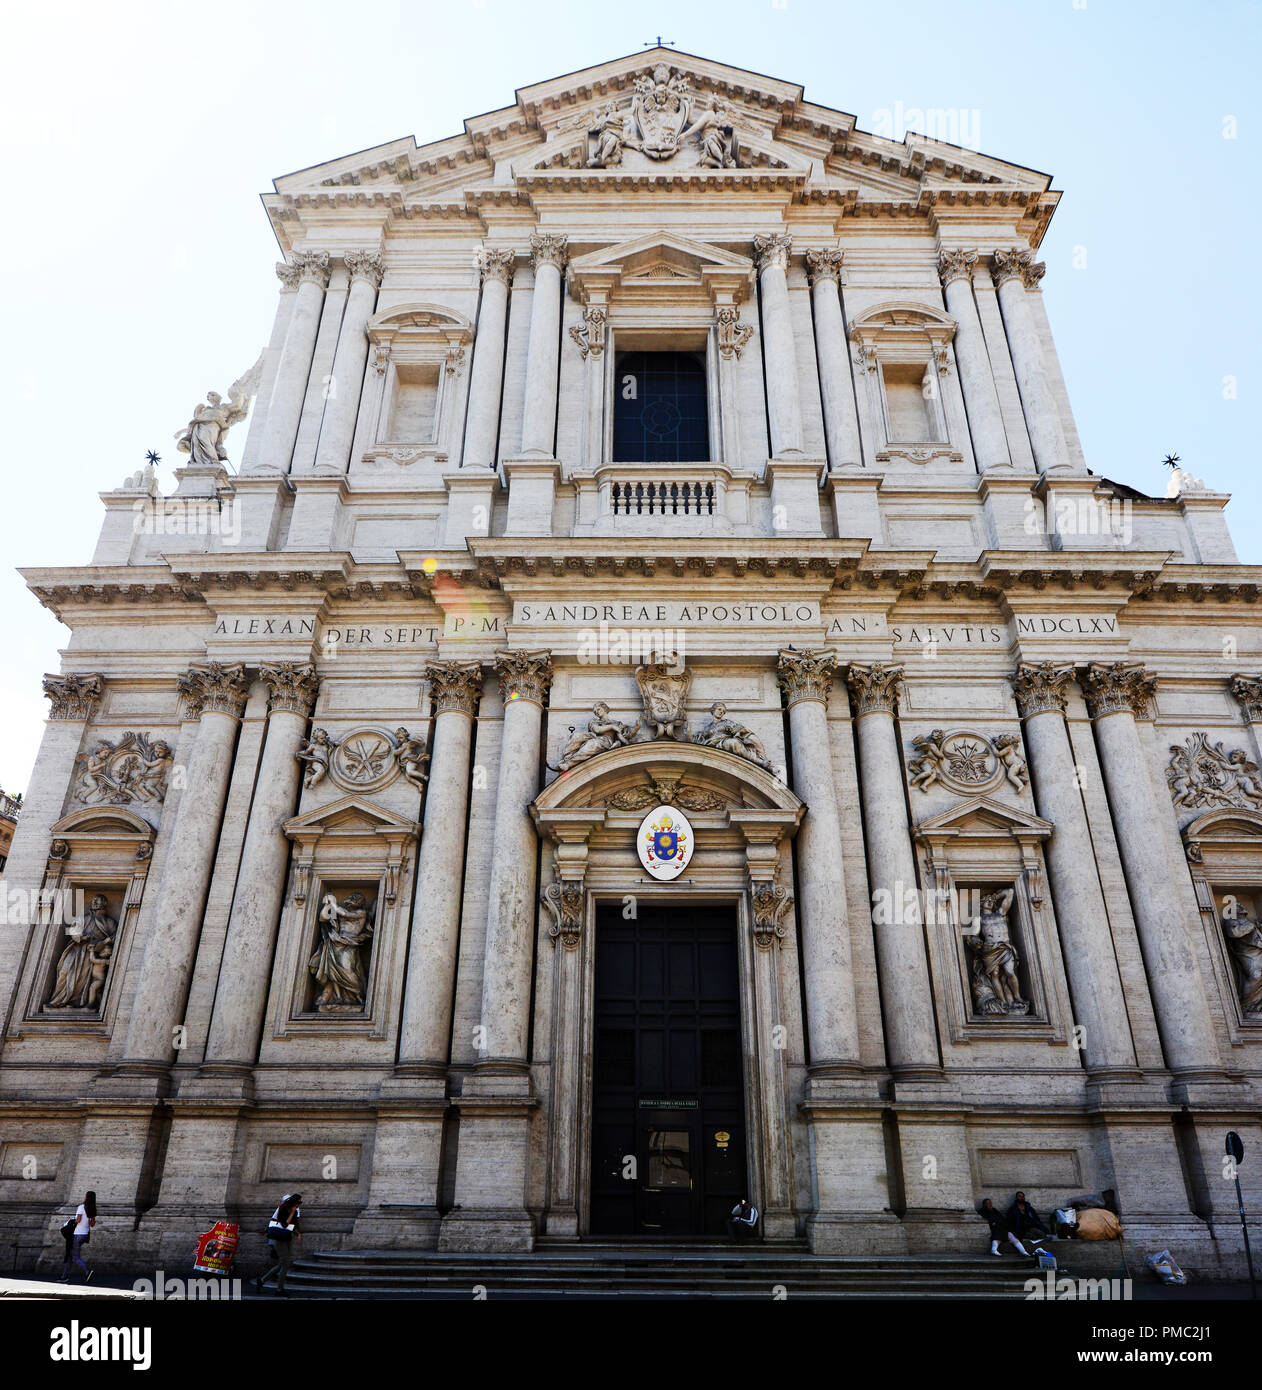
(1171, 460)
(153, 458)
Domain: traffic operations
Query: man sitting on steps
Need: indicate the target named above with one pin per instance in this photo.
(743, 1220)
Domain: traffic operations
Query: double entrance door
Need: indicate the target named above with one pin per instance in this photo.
(668, 1113)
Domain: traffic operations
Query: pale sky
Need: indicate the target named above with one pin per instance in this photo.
(136, 139)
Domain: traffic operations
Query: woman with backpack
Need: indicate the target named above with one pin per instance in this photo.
(282, 1230)
(76, 1233)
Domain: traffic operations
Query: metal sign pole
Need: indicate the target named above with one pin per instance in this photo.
(1236, 1149)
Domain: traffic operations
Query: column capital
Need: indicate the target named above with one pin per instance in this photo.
(304, 265)
(733, 334)
(524, 675)
(824, 263)
(365, 265)
(956, 264)
(1007, 265)
(1040, 686)
(222, 689)
(875, 687)
(772, 251)
(74, 697)
(806, 675)
(454, 685)
(291, 687)
(548, 248)
(1117, 687)
(1248, 691)
(495, 263)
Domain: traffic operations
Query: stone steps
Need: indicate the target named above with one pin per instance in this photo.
(689, 1272)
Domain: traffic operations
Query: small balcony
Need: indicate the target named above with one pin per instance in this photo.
(662, 499)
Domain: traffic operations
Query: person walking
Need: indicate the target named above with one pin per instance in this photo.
(1000, 1228)
(77, 1232)
(743, 1221)
(282, 1230)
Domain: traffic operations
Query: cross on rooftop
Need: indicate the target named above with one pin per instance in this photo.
(657, 43)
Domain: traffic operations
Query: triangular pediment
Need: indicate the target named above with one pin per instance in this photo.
(351, 815)
(983, 815)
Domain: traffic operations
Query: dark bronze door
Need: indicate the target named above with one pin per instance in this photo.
(668, 1122)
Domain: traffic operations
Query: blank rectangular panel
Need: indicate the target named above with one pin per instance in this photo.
(615, 969)
(718, 970)
(651, 981)
(683, 1060)
(683, 983)
(910, 419)
(415, 410)
(652, 1060)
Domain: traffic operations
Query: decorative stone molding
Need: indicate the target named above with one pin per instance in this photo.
(590, 334)
(733, 334)
(824, 263)
(380, 358)
(524, 675)
(495, 263)
(547, 248)
(1116, 688)
(454, 685)
(1248, 691)
(1006, 265)
(363, 760)
(875, 687)
(664, 690)
(772, 251)
(564, 899)
(769, 901)
(291, 688)
(74, 697)
(956, 265)
(1201, 774)
(1041, 686)
(967, 762)
(365, 265)
(805, 675)
(664, 793)
(214, 687)
(133, 769)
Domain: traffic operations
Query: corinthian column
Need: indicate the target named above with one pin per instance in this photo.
(1115, 694)
(342, 405)
(236, 1024)
(1081, 915)
(216, 695)
(841, 418)
(425, 1038)
(547, 255)
(1016, 272)
(510, 927)
(310, 271)
(985, 419)
(906, 995)
(783, 404)
(831, 1017)
(486, 377)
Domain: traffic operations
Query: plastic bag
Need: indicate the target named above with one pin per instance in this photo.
(1166, 1268)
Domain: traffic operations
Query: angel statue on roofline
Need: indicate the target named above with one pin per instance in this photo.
(202, 438)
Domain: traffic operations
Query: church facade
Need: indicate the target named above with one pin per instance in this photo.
(661, 712)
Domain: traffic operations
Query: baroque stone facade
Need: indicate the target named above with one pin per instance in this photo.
(663, 457)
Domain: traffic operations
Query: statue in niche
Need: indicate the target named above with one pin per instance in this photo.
(202, 438)
(411, 756)
(1244, 940)
(315, 752)
(338, 964)
(602, 734)
(996, 989)
(85, 961)
(732, 737)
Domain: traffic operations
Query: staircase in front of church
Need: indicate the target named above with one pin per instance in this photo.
(608, 1271)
